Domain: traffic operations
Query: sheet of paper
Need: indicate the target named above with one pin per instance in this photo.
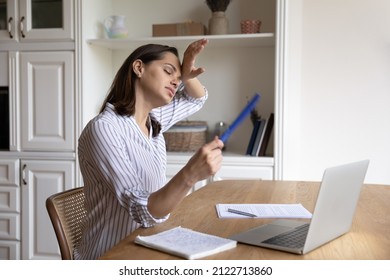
(264, 210)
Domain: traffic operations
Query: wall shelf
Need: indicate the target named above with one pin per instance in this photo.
(215, 41)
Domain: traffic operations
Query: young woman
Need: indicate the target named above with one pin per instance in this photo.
(122, 151)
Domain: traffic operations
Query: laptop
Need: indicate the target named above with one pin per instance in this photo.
(332, 217)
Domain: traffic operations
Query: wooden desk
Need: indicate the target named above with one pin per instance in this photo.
(369, 237)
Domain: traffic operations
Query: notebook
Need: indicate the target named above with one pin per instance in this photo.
(186, 243)
(332, 217)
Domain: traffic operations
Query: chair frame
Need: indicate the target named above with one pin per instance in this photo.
(67, 211)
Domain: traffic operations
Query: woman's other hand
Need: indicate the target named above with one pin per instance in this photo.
(206, 161)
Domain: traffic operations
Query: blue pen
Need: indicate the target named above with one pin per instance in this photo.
(245, 112)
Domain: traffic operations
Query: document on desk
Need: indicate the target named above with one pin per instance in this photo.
(262, 211)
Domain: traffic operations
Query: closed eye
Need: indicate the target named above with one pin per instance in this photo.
(171, 71)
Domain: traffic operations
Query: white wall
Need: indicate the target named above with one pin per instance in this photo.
(338, 92)
(97, 61)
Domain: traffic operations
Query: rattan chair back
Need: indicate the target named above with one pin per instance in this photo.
(67, 211)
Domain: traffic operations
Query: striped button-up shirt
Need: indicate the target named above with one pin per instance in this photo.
(121, 167)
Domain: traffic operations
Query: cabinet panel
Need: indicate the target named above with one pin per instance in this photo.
(9, 250)
(47, 101)
(42, 179)
(10, 226)
(9, 172)
(9, 199)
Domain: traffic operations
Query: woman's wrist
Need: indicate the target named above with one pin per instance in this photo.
(194, 88)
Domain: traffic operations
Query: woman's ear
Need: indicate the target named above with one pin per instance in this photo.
(138, 67)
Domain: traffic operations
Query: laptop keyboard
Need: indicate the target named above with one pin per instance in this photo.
(291, 239)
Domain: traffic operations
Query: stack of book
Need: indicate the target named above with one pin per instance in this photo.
(260, 136)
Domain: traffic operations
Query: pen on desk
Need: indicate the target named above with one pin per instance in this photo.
(235, 211)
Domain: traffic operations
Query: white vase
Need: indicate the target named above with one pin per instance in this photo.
(218, 24)
(115, 27)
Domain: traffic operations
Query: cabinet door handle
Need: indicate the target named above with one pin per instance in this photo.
(24, 175)
(22, 27)
(10, 27)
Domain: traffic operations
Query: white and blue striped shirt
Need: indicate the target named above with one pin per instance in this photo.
(121, 166)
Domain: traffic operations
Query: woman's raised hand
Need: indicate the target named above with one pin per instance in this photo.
(188, 68)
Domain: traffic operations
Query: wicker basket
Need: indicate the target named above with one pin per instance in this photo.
(250, 26)
(186, 136)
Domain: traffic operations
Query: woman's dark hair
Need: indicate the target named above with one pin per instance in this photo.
(122, 90)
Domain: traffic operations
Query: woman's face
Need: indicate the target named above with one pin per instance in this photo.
(160, 80)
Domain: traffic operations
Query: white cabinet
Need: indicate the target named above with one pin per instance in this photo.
(37, 41)
(36, 20)
(41, 178)
(25, 228)
(9, 209)
(42, 101)
(47, 101)
(239, 167)
(42, 120)
(233, 167)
